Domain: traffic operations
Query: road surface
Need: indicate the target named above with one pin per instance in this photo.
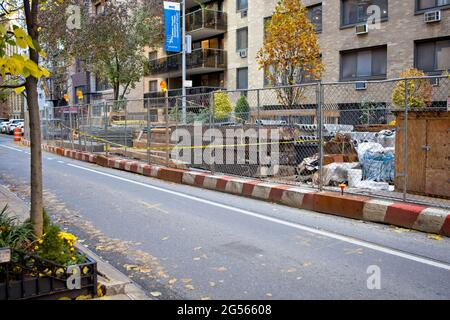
(181, 242)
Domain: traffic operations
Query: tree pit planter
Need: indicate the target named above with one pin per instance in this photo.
(28, 276)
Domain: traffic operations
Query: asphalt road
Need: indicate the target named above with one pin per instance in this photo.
(181, 242)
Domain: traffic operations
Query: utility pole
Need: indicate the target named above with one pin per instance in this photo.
(183, 62)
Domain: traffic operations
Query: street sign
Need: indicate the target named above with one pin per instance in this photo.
(172, 25)
(5, 255)
(188, 43)
(188, 83)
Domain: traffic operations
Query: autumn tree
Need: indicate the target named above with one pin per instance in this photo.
(22, 72)
(419, 91)
(111, 43)
(290, 54)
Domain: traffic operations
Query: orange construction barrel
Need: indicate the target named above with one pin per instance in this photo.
(17, 134)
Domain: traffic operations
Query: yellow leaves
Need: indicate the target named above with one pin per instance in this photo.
(155, 293)
(291, 42)
(420, 91)
(434, 237)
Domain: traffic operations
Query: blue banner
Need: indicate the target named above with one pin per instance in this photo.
(172, 41)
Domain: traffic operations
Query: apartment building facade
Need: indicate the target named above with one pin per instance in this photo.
(410, 33)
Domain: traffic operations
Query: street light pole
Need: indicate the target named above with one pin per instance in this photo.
(183, 63)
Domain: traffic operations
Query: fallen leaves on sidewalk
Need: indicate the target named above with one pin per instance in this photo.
(434, 237)
(399, 229)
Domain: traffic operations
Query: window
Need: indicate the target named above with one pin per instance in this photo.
(242, 79)
(102, 84)
(153, 85)
(241, 39)
(266, 23)
(355, 11)
(315, 15)
(241, 5)
(364, 64)
(433, 56)
(429, 4)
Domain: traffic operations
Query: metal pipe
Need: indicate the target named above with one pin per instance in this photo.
(183, 62)
(405, 146)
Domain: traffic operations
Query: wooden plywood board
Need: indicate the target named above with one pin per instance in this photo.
(438, 141)
(438, 182)
(415, 154)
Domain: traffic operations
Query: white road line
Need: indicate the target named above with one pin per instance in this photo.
(59, 161)
(328, 234)
(1, 145)
(50, 159)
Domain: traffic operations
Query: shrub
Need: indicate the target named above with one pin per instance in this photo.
(14, 235)
(222, 106)
(420, 91)
(242, 109)
(58, 247)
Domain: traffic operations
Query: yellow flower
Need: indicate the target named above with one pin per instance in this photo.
(72, 249)
(68, 237)
(36, 248)
(41, 241)
(73, 258)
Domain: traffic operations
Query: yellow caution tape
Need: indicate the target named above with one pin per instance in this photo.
(210, 146)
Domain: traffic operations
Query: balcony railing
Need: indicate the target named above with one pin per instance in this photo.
(178, 92)
(198, 59)
(206, 19)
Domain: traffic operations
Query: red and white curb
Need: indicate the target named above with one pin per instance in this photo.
(413, 216)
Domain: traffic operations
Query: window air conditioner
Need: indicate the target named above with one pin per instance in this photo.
(361, 85)
(243, 53)
(362, 29)
(432, 16)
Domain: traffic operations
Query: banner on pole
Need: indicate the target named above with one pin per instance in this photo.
(172, 41)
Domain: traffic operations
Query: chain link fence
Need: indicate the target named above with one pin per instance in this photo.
(387, 138)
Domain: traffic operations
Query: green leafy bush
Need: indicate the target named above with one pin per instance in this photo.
(242, 110)
(13, 234)
(58, 247)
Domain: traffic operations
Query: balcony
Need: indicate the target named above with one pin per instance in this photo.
(195, 96)
(198, 62)
(178, 92)
(206, 23)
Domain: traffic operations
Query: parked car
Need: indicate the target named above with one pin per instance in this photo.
(12, 125)
(3, 125)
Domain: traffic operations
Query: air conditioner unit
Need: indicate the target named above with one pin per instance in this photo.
(243, 53)
(434, 82)
(432, 16)
(244, 13)
(362, 29)
(361, 85)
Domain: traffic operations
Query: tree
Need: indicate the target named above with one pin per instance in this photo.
(20, 71)
(222, 105)
(419, 91)
(111, 43)
(242, 109)
(290, 54)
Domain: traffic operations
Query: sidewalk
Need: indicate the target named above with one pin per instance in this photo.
(118, 286)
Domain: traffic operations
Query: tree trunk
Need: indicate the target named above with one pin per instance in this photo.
(37, 209)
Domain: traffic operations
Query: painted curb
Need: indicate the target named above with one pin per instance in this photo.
(407, 215)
